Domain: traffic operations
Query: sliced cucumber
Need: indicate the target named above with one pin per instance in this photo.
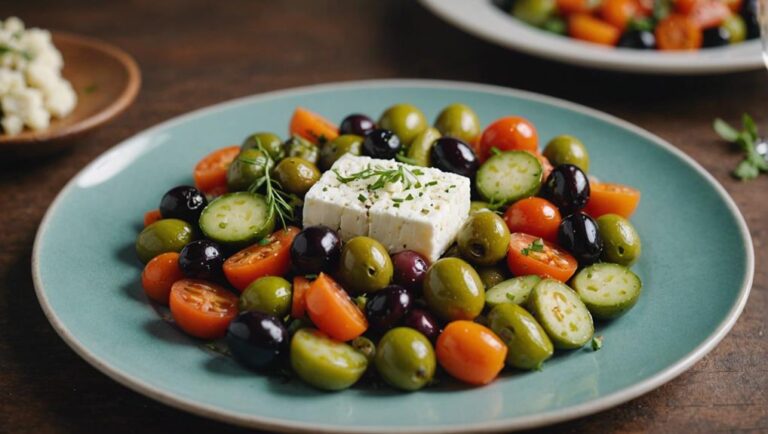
(237, 219)
(563, 315)
(515, 290)
(509, 176)
(608, 290)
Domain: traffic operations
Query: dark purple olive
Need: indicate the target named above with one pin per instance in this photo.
(201, 259)
(183, 203)
(423, 322)
(385, 308)
(579, 235)
(716, 37)
(316, 249)
(750, 13)
(410, 268)
(567, 187)
(257, 340)
(637, 39)
(453, 155)
(357, 124)
(381, 143)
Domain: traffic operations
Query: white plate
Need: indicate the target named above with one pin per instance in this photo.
(484, 19)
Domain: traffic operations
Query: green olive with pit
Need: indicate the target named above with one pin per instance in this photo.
(249, 166)
(621, 243)
(334, 149)
(567, 149)
(404, 120)
(405, 359)
(296, 175)
(162, 236)
(420, 149)
(324, 362)
(270, 142)
(365, 265)
(484, 238)
(300, 147)
(453, 290)
(459, 121)
(270, 294)
(528, 343)
(492, 275)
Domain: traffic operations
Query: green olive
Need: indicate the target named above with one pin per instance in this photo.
(484, 238)
(166, 235)
(736, 28)
(296, 175)
(404, 120)
(325, 363)
(365, 346)
(269, 141)
(477, 205)
(459, 121)
(299, 147)
(534, 12)
(405, 359)
(420, 149)
(566, 149)
(492, 275)
(338, 147)
(621, 243)
(365, 265)
(453, 290)
(247, 168)
(269, 294)
(528, 343)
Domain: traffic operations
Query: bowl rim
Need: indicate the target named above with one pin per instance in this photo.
(516, 423)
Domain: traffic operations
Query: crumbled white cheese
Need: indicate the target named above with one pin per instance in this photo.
(32, 89)
(425, 216)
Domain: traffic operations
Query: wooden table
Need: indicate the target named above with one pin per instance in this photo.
(195, 53)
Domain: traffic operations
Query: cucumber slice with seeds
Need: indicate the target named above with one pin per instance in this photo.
(608, 290)
(561, 312)
(237, 219)
(509, 176)
(515, 290)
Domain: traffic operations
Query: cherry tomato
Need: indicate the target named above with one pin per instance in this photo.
(211, 172)
(272, 257)
(470, 352)
(312, 126)
(159, 275)
(678, 32)
(528, 256)
(508, 134)
(734, 5)
(534, 216)
(606, 198)
(202, 309)
(299, 302)
(588, 28)
(619, 12)
(151, 217)
(332, 311)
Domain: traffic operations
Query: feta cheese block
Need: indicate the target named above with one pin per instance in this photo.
(422, 212)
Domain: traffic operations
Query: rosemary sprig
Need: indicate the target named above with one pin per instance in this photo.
(278, 201)
(409, 178)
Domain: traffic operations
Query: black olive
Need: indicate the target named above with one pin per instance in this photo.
(579, 235)
(716, 37)
(184, 203)
(201, 259)
(357, 124)
(316, 249)
(453, 155)
(567, 187)
(257, 340)
(381, 143)
(639, 39)
(387, 307)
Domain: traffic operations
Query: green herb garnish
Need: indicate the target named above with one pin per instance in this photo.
(278, 201)
(361, 198)
(383, 176)
(264, 241)
(4, 49)
(597, 343)
(536, 246)
(401, 157)
(747, 139)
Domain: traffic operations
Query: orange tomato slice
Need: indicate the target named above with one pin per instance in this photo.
(202, 309)
(312, 126)
(678, 32)
(470, 352)
(607, 198)
(591, 29)
(151, 217)
(299, 302)
(211, 172)
(271, 257)
(548, 261)
(332, 310)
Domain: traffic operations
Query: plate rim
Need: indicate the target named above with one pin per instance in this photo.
(443, 8)
(516, 423)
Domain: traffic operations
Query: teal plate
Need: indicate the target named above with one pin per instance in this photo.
(87, 278)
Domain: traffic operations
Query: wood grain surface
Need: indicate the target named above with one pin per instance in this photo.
(193, 53)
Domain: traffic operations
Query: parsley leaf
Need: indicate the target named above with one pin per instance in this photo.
(597, 343)
(536, 246)
(748, 140)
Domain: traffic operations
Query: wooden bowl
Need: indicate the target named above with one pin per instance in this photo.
(106, 80)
